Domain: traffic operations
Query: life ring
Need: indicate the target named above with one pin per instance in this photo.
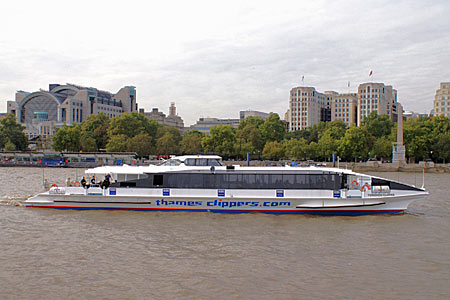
(355, 182)
(54, 185)
(76, 183)
(366, 185)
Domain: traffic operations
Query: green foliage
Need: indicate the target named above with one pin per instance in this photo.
(117, 143)
(9, 146)
(87, 143)
(273, 150)
(221, 140)
(418, 138)
(67, 138)
(255, 122)
(96, 127)
(382, 148)
(295, 149)
(142, 144)
(249, 137)
(273, 129)
(354, 144)
(442, 147)
(12, 132)
(328, 144)
(378, 125)
(168, 144)
(132, 124)
(191, 143)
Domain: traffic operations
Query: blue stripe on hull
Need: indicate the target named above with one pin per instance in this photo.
(277, 212)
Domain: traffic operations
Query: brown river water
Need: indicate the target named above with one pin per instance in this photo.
(70, 254)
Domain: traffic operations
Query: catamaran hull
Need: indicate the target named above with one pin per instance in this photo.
(235, 204)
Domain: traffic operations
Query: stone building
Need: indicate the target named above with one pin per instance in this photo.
(308, 107)
(171, 120)
(376, 97)
(42, 111)
(442, 100)
(344, 108)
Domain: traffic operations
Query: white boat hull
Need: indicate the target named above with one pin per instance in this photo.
(231, 201)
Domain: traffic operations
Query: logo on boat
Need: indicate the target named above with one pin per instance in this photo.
(223, 204)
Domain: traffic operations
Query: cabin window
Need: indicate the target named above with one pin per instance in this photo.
(121, 177)
(214, 162)
(158, 180)
(243, 181)
(131, 177)
(202, 162)
(189, 162)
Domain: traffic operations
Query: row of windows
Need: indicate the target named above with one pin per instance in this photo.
(239, 181)
(368, 101)
(368, 96)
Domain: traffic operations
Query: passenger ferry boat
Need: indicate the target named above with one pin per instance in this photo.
(203, 183)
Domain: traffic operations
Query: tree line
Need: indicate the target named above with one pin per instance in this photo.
(424, 137)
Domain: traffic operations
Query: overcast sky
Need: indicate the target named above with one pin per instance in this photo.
(215, 58)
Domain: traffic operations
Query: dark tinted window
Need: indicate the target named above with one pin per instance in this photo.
(242, 181)
(158, 180)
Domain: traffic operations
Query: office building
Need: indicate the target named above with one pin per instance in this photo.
(171, 120)
(344, 108)
(376, 97)
(42, 111)
(253, 113)
(205, 124)
(308, 107)
(442, 100)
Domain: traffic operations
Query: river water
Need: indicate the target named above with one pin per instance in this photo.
(69, 254)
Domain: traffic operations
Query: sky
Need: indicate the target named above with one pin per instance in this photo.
(216, 58)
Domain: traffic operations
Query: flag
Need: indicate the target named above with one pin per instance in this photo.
(370, 74)
(348, 84)
(303, 78)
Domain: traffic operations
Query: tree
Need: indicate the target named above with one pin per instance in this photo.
(249, 137)
(221, 140)
(355, 143)
(273, 129)
(191, 143)
(327, 144)
(295, 148)
(87, 142)
(9, 146)
(142, 144)
(273, 150)
(117, 143)
(382, 148)
(442, 147)
(12, 132)
(96, 127)
(167, 144)
(378, 125)
(67, 138)
(418, 137)
(255, 122)
(132, 124)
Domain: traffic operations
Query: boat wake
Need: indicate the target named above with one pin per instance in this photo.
(13, 200)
